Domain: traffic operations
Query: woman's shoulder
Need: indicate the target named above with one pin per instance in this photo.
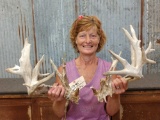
(104, 61)
(104, 64)
(71, 62)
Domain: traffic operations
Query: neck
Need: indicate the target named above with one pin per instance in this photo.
(87, 66)
(87, 59)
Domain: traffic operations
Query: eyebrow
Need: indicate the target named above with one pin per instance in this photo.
(89, 33)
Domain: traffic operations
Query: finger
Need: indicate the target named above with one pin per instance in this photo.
(51, 90)
(115, 88)
(61, 96)
(115, 85)
(120, 80)
(118, 83)
(62, 92)
(119, 91)
(51, 98)
(50, 95)
(55, 84)
(125, 83)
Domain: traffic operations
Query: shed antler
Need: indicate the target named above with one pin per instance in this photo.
(105, 84)
(138, 57)
(31, 77)
(71, 94)
(132, 71)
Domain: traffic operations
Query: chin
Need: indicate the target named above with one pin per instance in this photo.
(89, 53)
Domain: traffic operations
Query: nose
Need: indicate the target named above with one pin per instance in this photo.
(88, 40)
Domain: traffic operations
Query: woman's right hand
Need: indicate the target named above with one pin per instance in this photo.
(56, 93)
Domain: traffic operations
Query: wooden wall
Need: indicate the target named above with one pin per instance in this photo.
(23, 107)
(136, 105)
(139, 105)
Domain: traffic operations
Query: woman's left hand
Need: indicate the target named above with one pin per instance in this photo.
(119, 85)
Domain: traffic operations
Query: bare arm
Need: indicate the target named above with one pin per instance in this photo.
(56, 94)
(119, 85)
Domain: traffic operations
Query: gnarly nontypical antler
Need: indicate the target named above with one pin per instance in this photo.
(31, 77)
(105, 84)
(71, 94)
(132, 71)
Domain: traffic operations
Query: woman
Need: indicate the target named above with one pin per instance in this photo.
(87, 38)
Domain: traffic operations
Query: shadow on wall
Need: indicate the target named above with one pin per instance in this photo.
(15, 85)
(149, 81)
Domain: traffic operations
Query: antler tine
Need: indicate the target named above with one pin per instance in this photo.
(35, 86)
(136, 54)
(38, 67)
(56, 69)
(35, 71)
(114, 63)
(133, 33)
(145, 59)
(14, 70)
(148, 50)
(124, 63)
(64, 71)
(133, 54)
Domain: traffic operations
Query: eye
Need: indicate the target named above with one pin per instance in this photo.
(93, 36)
(82, 36)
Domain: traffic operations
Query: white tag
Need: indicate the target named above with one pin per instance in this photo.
(78, 83)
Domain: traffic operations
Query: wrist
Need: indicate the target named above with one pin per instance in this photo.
(114, 97)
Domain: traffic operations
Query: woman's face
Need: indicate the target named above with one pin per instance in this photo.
(87, 41)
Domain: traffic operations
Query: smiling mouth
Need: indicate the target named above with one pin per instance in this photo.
(88, 46)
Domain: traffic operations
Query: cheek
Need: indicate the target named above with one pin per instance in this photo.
(79, 41)
(76, 41)
(97, 42)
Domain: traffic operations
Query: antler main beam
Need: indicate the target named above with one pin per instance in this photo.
(31, 77)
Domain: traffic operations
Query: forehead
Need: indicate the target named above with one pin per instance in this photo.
(89, 30)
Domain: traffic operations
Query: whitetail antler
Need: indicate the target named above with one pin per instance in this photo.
(132, 71)
(71, 94)
(138, 57)
(25, 70)
(105, 84)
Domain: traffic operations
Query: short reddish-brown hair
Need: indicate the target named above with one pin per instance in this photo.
(84, 23)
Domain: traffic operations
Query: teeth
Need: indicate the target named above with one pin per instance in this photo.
(87, 46)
